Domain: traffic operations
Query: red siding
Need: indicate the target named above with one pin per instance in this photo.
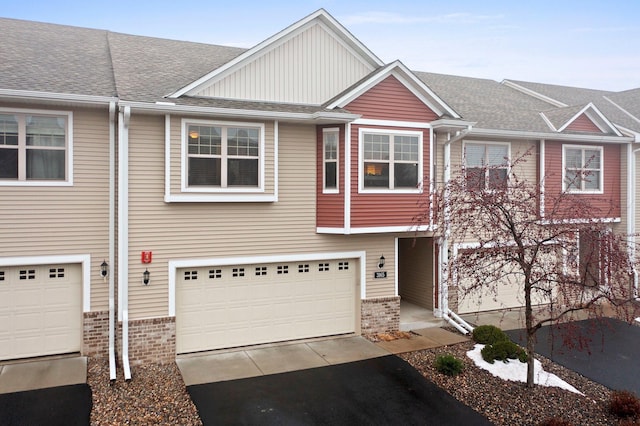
(330, 207)
(604, 205)
(381, 210)
(583, 124)
(391, 100)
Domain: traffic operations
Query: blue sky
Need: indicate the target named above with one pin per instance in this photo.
(592, 44)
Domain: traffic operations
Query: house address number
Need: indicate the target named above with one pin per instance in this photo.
(380, 274)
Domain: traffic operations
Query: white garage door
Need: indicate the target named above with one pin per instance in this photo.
(239, 305)
(40, 310)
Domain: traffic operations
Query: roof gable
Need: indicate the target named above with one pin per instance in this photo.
(291, 66)
(407, 79)
(585, 119)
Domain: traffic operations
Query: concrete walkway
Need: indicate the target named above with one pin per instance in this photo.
(31, 375)
(281, 358)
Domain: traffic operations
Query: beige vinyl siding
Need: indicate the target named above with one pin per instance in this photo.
(49, 221)
(622, 225)
(295, 71)
(415, 281)
(221, 230)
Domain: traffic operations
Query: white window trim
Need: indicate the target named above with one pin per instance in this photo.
(390, 132)
(68, 149)
(335, 190)
(474, 142)
(184, 154)
(564, 169)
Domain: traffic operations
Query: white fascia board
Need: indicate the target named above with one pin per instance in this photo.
(278, 39)
(56, 97)
(448, 124)
(601, 121)
(548, 122)
(167, 108)
(631, 133)
(408, 79)
(533, 93)
(174, 265)
(514, 134)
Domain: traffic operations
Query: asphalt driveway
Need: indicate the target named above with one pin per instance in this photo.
(378, 391)
(62, 405)
(610, 356)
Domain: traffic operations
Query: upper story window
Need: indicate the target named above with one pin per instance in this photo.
(224, 156)
(330, 159)
(390, 160)
(582, 168)
(486, 165)
(35, 147)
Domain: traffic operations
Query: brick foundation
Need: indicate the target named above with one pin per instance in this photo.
(150, 340)
(95, 340)
(380, 315)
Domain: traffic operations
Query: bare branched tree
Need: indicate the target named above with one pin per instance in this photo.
(562, 253)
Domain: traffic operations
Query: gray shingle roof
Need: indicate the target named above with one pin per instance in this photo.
(54, 58)
(491, 104)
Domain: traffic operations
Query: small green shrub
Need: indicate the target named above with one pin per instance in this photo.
(503, 351)
(624, 404)
(555, 421)
(449, 365)
(488, 335)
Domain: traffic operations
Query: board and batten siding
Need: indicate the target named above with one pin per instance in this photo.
(175, 231)
(66, 220)
(308, 68)
(607, 204)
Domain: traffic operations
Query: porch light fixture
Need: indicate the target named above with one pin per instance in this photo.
(104, 270)
(381, 262)
(146, 277)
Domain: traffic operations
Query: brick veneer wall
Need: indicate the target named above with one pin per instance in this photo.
(95, 336)
(150, 340)
(380, 315)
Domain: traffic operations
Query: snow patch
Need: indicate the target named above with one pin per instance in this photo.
(516, 371)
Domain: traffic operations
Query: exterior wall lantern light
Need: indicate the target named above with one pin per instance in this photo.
(381, 262)
(146, 277)
(104, 270)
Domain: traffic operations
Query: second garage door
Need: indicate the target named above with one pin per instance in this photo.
(238, 305)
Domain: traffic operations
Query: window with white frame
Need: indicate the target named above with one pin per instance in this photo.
(391, 160)
(582, 168)
(330, 158)
(486, 165)
(223, 155)
(34, 146)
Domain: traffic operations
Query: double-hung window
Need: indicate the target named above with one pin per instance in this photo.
(391, 161)
(34, 147)
(330, 159)
(486, 165)
(582, 168)
(223, 156)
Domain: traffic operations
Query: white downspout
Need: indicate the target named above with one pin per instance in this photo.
(123, 232)
(112, 210)
(347, 179)
(543, 172)
(444, 246)
(631, 208)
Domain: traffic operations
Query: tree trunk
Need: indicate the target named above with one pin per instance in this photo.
(528, 315)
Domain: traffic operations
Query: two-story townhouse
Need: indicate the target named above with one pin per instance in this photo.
(216, 197)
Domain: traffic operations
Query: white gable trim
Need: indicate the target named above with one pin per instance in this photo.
(408, 79)
(321, 16)
(533, 93)
(599, 120)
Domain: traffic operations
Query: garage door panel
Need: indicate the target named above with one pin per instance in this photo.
(269, 303)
